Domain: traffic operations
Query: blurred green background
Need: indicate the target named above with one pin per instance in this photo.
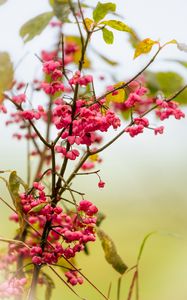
(145, 191)
(146, 177)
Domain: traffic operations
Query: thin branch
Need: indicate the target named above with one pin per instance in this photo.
(49, 118)
(71, 193)
(87, 173)
(132, 286)
(41, 163)
(63, 52)
(105, 297)
(132, 122)
(109, 290)
(64, 199)
(39, 135)
(60, 266)
(60, 277)
(70, 178)
(59, 136)
(119, 288)
(10, 241)
(39, 58)
(30, 122)
(68, 187)
(82, 16)
(28, 162)
(137, 285)
(177, 93)
(39, 179)
(132, 79)
(77, 22)
(33, 139)
(53, 171)
(167, 100)
(57, 232)
(78, 270)
(9, 206)
(20, 269)
(20, 61)
(81, 63)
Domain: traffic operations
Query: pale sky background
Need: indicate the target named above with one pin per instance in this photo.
(164, 20)
(146, 176)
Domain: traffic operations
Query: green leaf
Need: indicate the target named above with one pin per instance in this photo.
(118, 25)
(108, 36)
(37, 208)
(180, 46)
(143, 245)
(14, 184)
(110, 251)
(182, 62)
(15, 181)
(2, 2)
(100, 218)
(126, 114)
(102, 9)
(86, 249)
(52, 2)
(35, 26)
(6, 74)
(168, 83)
(61, 9)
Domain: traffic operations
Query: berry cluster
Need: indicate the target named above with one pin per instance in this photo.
(68, 234)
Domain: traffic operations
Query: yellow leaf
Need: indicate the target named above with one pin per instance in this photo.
(94, 157)
(89, 24)
(172, 42)
(144, 47)
(6, 74)
(77, 54)
(110, 251)
(76, 59)
(118, 96)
